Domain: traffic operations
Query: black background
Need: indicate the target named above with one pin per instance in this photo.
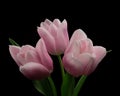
(19, 21)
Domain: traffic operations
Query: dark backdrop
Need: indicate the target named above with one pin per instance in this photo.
(19, 22)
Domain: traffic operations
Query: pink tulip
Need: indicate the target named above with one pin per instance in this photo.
(34, 63)
(55, 35)
(81, 57)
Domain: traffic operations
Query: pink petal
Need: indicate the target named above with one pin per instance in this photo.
(78, 35)
(74, 48)
(21, 58)
(44, 25)
(56, 22)
(99, 53)
(86, 46)
(48, 22)
(44, 56)
(77, 66)
(26, 48)
(60, 42)
(14, 50)
(34, 71)
(65, 31)
(62, 39)
(80, 46)
(48, 38)
(32, 56)
(53, 30)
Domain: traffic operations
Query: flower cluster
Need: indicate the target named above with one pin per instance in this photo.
(80, 56)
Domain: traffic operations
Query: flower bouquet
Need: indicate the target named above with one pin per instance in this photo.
(77, 57)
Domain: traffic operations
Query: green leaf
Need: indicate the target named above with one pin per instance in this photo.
(67, 85)
(79, 85)
(109, 51)
(52, 86)
(37, 84)
(13, 42)
(44, 87)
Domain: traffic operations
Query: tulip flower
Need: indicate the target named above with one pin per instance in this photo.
(81, 57)
(55, 35)
(34, 63)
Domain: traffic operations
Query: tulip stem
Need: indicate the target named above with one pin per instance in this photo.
(79, 85)
(61, 66)
(52, 86)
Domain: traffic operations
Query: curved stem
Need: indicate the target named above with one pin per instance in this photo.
(61, 66)
(52, 86)
(79, 85)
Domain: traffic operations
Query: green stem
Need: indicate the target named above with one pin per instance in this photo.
(52, 86)
(79, 85)
(61, 66)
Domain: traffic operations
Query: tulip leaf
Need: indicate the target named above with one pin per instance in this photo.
(13, 42)
(67, 85)
(37, 84)
(79, 85)
(44, 87)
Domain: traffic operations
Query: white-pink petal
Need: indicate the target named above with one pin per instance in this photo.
(47, 21)
(32, 56)
(86, 46)
(48, 38)
(78, 35)
(99, 53)
(26, 48)
(57, 22)
(53, 30)
(14, 50)
(77, 66)
(43, 54)
(34, 71)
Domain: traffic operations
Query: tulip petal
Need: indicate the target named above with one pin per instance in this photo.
(86, 46)
(21, 58)
(77, 66)
(44, 56)
(57, 22)
(62, 38)
(78, 35)
(48, 22)
(74, 48)
(53, 30)
(34, 71)
(32, 56)
(65, 31)
(99, 53)
(48, 38)
(60, 42)
(46, 26)
(14, 50)
(26, 48)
